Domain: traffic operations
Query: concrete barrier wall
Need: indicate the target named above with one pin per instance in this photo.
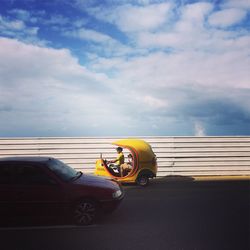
(188, 156)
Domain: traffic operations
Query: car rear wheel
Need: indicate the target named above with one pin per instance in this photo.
(85, 212)
(143, 180)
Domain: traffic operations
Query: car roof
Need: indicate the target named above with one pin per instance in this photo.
(36, 159)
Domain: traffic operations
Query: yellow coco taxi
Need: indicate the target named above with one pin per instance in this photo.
(139, 165)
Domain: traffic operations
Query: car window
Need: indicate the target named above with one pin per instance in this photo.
(26, 174)
(62, 170)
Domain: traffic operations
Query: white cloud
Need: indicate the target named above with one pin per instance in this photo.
(169, 67)
(161, 39)
(56, 20)
(83, 4)
(156, 72)
(37, 68)
(190, 31)
(130, 18)
(50, 88)
(197, 57)
(191, 19)
(17, 29)
(196, 12)
(199, 129)
(227, 17)
(98, 41)
(244, 4)
(21, 14)
(87, 34)
(7, 25)
(154, 103)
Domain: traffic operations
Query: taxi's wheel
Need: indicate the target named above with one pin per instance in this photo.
(143, 180)
(85, 212)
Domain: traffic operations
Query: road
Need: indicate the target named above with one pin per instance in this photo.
(173, 214)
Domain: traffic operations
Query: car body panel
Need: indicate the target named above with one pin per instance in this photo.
(41, 192)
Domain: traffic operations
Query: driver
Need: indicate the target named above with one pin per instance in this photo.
(119, 159)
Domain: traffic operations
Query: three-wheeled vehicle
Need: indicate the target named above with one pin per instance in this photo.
(142, 167)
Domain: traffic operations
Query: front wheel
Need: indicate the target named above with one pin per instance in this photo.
(142, 180)
(84, 213)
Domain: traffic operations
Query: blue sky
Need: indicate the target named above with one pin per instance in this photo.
(124, 68)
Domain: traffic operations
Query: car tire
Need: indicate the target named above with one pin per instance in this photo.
(142, 180)
(84, 213)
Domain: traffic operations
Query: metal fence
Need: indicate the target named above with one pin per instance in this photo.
(187, 156)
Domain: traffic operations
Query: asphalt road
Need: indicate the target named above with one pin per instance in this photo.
(171, 214)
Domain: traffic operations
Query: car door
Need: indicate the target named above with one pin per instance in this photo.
(7, 192)
(37, 193)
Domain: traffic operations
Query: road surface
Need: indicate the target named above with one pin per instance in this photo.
(170, 214)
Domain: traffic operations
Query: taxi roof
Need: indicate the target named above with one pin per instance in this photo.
(143, 148)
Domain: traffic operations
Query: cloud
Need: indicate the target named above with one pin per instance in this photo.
(170, 69)
(188, 66)
(83, 4)
(50, 88)
(154, 103)
(88, 34)
(5, 108)
(18, 29)
(21, 14)
(99, 44)
(131, 18)
(227, 17)
(155, 94)
(7, 25)
(199, 129)
(196, 12)
(27, 16)
(158, 70)
(56, 20)
(189, 35)
(244, 4)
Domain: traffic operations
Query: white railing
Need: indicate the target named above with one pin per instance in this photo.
(188, 156)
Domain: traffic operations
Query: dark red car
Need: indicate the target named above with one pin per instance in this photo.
(37, 187)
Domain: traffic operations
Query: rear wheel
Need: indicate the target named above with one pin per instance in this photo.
(143, 180)
(84, 213)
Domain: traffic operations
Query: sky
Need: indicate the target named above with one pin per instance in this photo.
(124, 68)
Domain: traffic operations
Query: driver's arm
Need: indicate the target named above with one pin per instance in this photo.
(113, 161)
